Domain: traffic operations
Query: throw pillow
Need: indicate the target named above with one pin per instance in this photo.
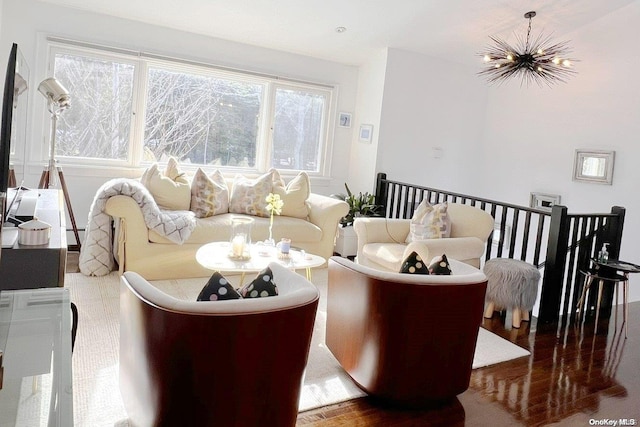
(170, 189)
(440, 266)
(429, 222)
(218, 288)
(294, 194)
(248, 195)
(209, 194)
(261, 286)
(413, 264)
(172, 170)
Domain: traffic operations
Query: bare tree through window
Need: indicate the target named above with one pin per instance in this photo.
(197, 114)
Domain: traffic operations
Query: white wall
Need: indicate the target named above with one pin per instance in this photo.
(431, 104)
(507, 141)
(532, 133)
(362, 167)
(24, 22)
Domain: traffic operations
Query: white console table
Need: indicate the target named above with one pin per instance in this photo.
(35, 339)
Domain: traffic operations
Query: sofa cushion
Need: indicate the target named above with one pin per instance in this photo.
(170, 189)
(218, 228)
(209, 194)
(429, 222)
(294, 194)
(218, 288)
(248, 195)
(261, 286)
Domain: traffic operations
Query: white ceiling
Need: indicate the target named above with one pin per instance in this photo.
(445, 28)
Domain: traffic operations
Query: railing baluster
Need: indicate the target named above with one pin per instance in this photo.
(538, 248)
(503, 227)
(525, 236)
(514, 230)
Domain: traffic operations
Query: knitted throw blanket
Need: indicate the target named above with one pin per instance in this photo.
(96, 255)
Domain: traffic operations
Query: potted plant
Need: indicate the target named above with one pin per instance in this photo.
(361, 204)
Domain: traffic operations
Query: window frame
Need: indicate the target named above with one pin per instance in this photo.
(143, 61)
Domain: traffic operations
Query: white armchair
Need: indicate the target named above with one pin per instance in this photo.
(381, 241)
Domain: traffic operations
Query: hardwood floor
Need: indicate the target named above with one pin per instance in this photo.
(572, 377)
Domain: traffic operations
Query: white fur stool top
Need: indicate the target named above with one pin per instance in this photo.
(512, 284)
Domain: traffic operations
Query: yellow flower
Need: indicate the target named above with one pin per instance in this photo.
(274, 204)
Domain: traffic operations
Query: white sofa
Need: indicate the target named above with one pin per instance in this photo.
(381, 241)
(155, 257)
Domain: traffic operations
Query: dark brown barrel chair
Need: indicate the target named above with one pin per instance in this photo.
(222, 363)
(405, 339)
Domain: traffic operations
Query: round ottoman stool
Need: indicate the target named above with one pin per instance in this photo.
(511, 284)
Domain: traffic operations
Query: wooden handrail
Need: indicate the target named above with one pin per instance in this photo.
(568, 240)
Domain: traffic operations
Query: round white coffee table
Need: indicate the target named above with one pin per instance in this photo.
(215, 256)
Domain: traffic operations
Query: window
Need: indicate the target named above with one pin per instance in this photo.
(202, 118)
(98, 124)
(298, 121)
(130, 108)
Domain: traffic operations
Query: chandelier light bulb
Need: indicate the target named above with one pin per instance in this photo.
(540, 51)
(566, 63)
(487, 58)
(510, 57)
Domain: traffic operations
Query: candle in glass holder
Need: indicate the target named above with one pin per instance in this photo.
(285, 246)
(237, 245)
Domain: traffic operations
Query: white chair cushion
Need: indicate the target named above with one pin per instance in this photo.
(461, 273)
(389, 255)
(294, 290)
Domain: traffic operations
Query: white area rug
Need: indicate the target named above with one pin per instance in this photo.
(96, 394)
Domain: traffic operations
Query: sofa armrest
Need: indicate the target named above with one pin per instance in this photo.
(121, 206)
(380, 230)
(326, 212)
(132, 227)
(460, 248)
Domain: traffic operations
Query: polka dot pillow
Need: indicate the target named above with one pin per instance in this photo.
(218, 288)
(413, 264)
(440, 266)
(262, 286)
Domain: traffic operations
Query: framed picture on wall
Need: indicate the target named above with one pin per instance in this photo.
(543, 201)
(366, 133)
(344, 120)
(594, 166)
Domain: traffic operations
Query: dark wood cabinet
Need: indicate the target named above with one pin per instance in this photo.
(41, 266)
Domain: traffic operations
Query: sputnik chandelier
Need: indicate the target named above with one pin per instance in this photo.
(533, 60)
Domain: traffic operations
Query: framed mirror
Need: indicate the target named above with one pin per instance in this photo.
(595, 166)
(543, 201)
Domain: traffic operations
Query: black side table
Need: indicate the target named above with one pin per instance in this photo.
(613, 271)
